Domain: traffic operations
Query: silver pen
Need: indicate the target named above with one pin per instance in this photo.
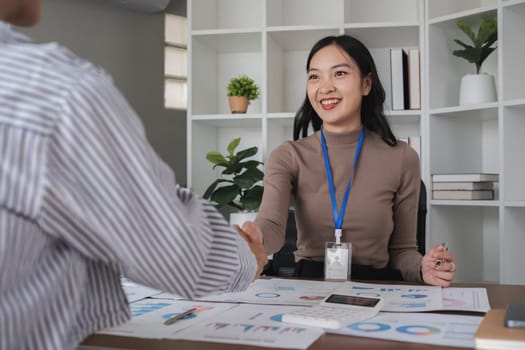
(180, 316)
(440, 261)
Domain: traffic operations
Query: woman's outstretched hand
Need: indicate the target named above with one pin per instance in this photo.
(253, 235)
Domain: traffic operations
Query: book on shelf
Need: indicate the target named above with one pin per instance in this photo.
(414, 79)
(399, 77)
(464, 177)
(463, 194)
(492, 333)
(470, 185)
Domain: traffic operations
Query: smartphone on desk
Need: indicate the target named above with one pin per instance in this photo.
(515, 315)
(336, 311)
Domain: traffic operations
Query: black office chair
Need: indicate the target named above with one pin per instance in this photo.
(283, 263)
(421, 219)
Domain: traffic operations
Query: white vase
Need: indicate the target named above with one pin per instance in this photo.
(477, 88)
(240, 218)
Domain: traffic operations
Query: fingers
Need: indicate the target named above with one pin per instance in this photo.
(438, 267)
(253, 235)
(252, 232)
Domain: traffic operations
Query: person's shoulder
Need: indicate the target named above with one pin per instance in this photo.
(291, 147)
(54, 64)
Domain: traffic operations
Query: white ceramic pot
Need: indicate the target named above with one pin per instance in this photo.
(477, 88)
(240, 218)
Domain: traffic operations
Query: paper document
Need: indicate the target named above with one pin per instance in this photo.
(275, 291)
(426, 328)
(135, 291)
(257, 325)
(399, 298)
(148, 317)
(466, 299)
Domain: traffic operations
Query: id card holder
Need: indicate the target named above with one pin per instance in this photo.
(337, 261)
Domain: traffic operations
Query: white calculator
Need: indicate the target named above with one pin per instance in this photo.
(336, 311)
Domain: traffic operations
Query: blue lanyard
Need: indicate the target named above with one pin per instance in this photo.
(338, 218)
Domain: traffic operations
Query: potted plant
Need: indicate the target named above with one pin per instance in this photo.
(238, 183)
(241, 90)
(477, 88)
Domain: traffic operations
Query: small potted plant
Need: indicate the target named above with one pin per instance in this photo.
(241, 90)
(238, 183)
(477, 88)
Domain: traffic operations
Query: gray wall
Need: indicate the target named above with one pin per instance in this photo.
(130, 46)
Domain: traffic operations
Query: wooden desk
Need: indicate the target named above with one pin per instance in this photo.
(499, 297)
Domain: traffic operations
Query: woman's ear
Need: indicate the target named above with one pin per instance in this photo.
(367, 84)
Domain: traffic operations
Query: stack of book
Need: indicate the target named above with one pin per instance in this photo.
(473, 186)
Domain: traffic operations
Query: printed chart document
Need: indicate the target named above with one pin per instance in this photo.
(276, 291)
(257, 325)
(135, 291)
(399, 298)
(426, 328)
(148, 317)
(466, 299)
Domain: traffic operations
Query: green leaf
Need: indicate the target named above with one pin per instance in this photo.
(463, 25)
(466, 46)
(212, 187)
(216, 158)
(226, 194)
(487, 28)
(251, 200)
(233, 145)
(245, 153)
(251, 164)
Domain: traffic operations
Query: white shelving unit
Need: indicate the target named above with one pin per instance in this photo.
(487, 237)
(269, 40)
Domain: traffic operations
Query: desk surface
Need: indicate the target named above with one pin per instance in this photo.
(499, 297)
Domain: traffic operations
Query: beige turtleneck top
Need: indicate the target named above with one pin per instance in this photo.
(381, 215)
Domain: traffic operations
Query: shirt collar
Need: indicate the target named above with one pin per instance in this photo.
(344, 138)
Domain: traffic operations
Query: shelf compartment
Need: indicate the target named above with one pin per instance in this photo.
(360, 11)
(216, 59)
(225, 14)
(280, 129)
(214, 135)
(513, 144)
(445, 69)
(513, 52)
(386, 36)
(513, 241)
(472, 233)
(303, 12)
(287, 52)
(442, 8)
(465, 141)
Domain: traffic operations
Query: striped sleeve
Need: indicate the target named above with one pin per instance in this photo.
(111, 197)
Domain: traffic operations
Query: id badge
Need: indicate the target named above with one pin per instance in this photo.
(337, 261)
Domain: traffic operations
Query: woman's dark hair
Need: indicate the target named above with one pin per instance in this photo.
(372, 116)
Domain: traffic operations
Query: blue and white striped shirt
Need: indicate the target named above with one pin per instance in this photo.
(84, 199)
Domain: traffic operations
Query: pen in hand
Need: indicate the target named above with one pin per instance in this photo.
(440, 261)
(180, 316)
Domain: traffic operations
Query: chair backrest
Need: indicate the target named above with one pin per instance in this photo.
(283, 262)
(421, 219)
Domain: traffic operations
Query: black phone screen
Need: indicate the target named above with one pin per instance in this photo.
(352, 300)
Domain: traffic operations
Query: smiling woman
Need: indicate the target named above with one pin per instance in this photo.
(350, 180)
(335, 89)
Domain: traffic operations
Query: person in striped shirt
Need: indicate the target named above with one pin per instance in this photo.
(84, 200)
